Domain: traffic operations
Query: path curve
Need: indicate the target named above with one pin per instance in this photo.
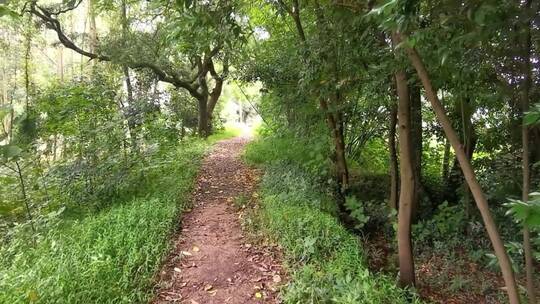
(211, 260)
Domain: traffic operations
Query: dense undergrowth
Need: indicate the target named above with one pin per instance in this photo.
(326, 261)
(109, 256)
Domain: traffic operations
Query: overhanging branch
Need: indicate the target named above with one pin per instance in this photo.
(52, 23)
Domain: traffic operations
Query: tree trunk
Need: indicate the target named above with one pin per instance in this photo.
(393, 201)
(469, 139)
(481, 202)
(27, 54)
(60, 64)
(203, 123)
(92, 29)
(336, 128)
(446, 162)
(331, 107)
(416, 141)
(407, 188)
(25, 197)
(407, 182)
(525, 100)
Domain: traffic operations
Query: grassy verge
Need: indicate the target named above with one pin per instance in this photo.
(110, 256)
(326, 261)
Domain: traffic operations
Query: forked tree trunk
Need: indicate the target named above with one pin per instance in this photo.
(393, 200)
(469, 174)
(336, 128)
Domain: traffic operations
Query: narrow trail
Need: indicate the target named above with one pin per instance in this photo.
(211, 260)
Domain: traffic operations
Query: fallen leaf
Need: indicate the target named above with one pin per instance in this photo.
(33, 296)
(208, 287)
(276, 278)
(176, 269)
(258, 295)
(195, 249)
(186, 253)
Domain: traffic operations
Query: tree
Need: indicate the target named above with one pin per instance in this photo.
(469, 174)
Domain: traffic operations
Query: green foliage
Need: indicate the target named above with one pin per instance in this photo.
(527, 213)
(309, 153)
(289, 176)
(108, 257)
(371, 159)
(357, 211)
(444, 229)
(533, 116)
(326, 260)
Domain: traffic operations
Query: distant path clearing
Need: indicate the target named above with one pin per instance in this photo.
(211, 261)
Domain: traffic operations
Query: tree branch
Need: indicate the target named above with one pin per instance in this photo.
(52, 23)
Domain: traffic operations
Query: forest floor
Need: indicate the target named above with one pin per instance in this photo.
(212, 260)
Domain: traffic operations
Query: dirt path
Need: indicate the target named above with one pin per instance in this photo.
(212, 262)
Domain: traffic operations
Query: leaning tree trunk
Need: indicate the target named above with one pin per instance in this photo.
(468, 172)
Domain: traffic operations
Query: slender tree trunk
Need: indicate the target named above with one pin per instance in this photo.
(340, 161)
(130, 120)
(407, 188)
(11, 102)
(470, 176)
(334, 121)
(331, 106)
(525, 100)
(5, 101)
(393, 201)
(60, 64)
(416, 135)
(446, 161)
(27, 53)
(25, 197)
(92, 29)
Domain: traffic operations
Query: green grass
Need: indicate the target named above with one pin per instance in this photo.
(326, 261)
(228, 132)
(110, 256)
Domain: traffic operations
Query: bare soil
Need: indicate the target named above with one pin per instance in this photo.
(212, 260)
